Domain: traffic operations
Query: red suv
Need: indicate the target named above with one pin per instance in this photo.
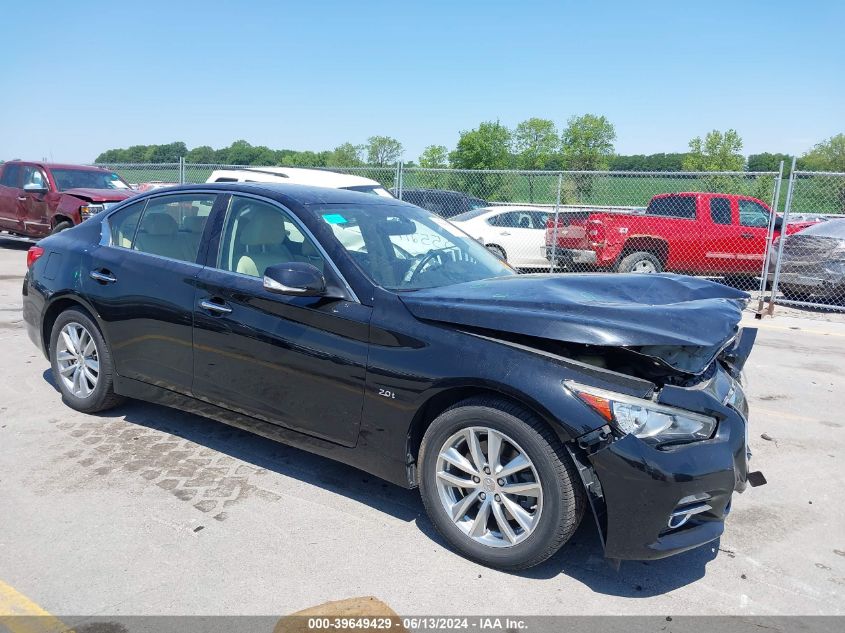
(37, 199)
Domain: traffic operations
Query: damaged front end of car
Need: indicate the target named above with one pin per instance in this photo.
(660, 474)
(657, 362)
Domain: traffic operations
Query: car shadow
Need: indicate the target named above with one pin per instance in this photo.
(582, 558)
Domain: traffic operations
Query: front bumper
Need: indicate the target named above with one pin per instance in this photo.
(636, 488)
(571, 255)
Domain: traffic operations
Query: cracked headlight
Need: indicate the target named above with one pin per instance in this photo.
(651, 422)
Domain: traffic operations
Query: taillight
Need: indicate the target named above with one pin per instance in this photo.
(33, 254)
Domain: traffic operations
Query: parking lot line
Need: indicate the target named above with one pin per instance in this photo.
(19, 614)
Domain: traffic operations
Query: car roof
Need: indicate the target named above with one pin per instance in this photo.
(56, 165)
(288, 193)
(299, 175)
(514, 207)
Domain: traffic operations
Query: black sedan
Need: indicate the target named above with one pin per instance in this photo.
(376, 333)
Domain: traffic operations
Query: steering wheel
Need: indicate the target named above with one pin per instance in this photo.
(417, 268)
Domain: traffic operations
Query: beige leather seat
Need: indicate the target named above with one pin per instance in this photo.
(262, 241)
(159, 235)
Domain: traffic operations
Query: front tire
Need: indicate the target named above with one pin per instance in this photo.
(61, 226)
(498, 485)
(82, 363)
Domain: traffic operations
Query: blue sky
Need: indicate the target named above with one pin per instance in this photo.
(81, 77)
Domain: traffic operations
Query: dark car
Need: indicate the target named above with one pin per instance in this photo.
(812, 263)
(37, 199)
(443, 202)
(513, 401)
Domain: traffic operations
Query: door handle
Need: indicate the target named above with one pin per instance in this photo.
(211, 306)
(102, 277)
(22, 198)
(746, 236)
(504, 233)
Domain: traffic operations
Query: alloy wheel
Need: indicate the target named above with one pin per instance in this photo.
(489, 487)
(78, 360)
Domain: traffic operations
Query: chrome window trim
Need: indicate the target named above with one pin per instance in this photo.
(299, 224)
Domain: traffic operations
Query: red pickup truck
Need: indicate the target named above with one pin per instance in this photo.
(37, 199)
(698, 233)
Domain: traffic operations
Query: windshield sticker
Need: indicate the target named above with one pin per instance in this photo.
(334, 218)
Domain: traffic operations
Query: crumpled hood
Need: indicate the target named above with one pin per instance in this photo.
(657, 312)
(101, 195)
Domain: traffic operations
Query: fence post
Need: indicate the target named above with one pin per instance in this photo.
(397, 179)
(764, 276)
(783, 226)
(554, 229)
(181, 170)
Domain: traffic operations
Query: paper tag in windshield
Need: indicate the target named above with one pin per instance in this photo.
(334, 218)
(447, 226)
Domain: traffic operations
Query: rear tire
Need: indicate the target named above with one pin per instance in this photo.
(515, 531)
(82, 363)
(61, 226)
(640, 262)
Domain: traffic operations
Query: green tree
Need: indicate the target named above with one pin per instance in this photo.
(587, 145)
(587, 142)
(345, 155)
(486, 147)
(536, 144)
(828, 155)
(769, 162)
(435, 157)
(717, 152)
(383, 150)
(202, 154)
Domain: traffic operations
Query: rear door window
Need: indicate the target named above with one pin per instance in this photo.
(11, 176)
(124, 223)
(172, 225)
(673, 207)
(720, 211)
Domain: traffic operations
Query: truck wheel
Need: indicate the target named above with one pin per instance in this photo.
(498, 484)
(498, 251)
(61, 226)
(639, 262)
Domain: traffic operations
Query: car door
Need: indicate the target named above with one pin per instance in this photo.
(141, 281)
(515, 233)
(753, 232)
(299, 362)
(719, 235)
(10, 194)
(33, 205)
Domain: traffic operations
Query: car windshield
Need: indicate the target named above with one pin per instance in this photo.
(87, 179)
(375, 190)
(402, 247)
(469, 215)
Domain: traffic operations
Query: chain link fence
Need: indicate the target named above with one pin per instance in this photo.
(807, 266)
(713, 224)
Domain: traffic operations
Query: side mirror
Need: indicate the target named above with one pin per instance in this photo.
(295, 278)
(33, 187)
(778, 223)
